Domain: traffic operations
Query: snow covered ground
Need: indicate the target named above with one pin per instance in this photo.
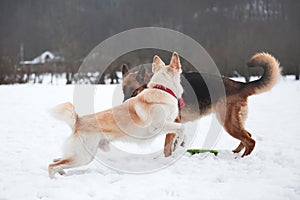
(30, 138)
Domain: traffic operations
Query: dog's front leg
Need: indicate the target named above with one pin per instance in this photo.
(173, 138)
(172, 127)
(170, 140)
(169, 143)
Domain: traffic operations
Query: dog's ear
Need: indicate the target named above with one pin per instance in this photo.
(125, 70)
(157, 64)
(141, 75)
(175, 62)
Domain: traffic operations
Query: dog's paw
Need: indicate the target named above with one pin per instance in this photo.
(183, 143)
(180, 138)
(51, 172)
(61, 172)
(174, 145)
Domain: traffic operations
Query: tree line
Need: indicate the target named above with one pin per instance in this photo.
(231, 31)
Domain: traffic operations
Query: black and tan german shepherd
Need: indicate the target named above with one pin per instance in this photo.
(230, 106)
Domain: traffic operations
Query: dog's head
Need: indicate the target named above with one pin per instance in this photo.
(167, 75)
(134, 82)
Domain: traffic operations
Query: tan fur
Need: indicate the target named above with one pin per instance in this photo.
(105, 121)
(66, 113)
(272, 71)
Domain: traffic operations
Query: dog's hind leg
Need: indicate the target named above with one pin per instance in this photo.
(233, 122)
(79, 150)
(234, 125)
(243, 112)
(58, 166)
(69, 162)
(241, 134)
(249, 144)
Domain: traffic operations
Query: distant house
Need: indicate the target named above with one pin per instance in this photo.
(45, 63)
(45, 57)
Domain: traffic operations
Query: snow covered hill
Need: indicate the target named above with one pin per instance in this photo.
(30, 138)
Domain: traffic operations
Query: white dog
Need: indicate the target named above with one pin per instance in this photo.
(150, 113)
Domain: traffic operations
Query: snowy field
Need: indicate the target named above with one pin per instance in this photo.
(30, 138)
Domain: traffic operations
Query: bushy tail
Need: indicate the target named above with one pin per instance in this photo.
(270, 76)
(66, 113)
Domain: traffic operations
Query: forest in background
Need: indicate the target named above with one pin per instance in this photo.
(231, 31)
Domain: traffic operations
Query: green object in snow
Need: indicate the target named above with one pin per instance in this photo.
(194, 151)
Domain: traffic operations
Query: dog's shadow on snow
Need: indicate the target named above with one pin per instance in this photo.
(222, 155)
(75, 172)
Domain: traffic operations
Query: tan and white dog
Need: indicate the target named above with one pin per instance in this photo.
(151, 112)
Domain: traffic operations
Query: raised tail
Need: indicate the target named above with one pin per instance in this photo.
(270, 76)
(65, 112)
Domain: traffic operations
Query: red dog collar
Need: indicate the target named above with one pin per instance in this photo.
(180, 100)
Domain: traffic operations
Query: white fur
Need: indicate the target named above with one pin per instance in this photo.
(169, 79)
